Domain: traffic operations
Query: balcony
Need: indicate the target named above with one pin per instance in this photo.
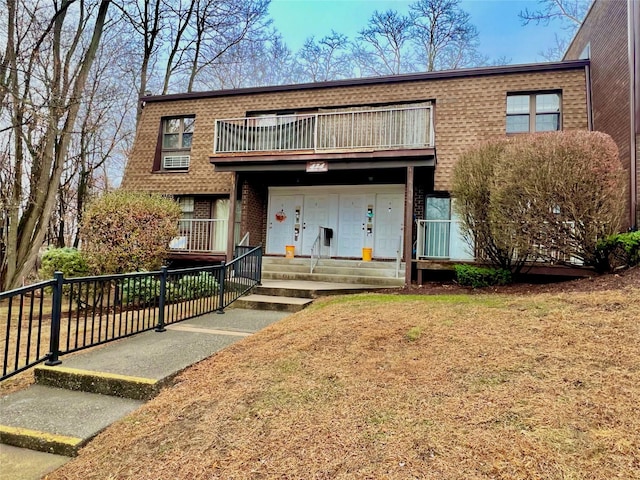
(200, 236)
(408, 127)
(443, 240)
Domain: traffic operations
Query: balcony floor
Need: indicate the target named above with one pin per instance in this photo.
(199, 257)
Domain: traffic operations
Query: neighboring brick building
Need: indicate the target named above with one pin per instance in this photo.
(610, 38)
(364, 157)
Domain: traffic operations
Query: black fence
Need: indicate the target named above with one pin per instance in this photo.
(43, 321)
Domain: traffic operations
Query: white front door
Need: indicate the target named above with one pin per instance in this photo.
(360, 216)
(389, 220)
(351, 225)
(281, 223)
(315, 215)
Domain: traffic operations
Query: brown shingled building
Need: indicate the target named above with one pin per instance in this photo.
(351, 167)
(610, 38)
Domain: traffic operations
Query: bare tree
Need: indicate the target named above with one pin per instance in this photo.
(147, 20)
(325, 59)
(262, 61)
(435, 35)
(102, 131)
(219, 26)
(181, 18)
(443, 35)
(50, 49)
(568, 13)
(381, 47)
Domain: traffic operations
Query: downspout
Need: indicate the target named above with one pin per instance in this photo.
(587, 74)
(633, 17)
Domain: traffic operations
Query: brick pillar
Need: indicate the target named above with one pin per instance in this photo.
(254, 207)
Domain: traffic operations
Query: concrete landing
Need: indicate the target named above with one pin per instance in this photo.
(273, 302)
(313, 289)
(55, 420)
(22, 464)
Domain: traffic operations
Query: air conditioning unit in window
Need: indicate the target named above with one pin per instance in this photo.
(176, 161)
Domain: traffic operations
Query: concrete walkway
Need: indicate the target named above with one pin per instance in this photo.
(73, 402)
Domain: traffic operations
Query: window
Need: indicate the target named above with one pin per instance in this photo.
(538, 112)
(187, 205)
(177, 135)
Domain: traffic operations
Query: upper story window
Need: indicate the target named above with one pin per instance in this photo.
(177, 135)
(536, 112)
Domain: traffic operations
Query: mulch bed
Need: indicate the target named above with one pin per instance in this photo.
(598, 283)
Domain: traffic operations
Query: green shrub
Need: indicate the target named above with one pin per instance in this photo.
(619, 250)
(67, 260)
(127, 231)
(477, 277)
(146, 290)
(189, 287)
(141, 290)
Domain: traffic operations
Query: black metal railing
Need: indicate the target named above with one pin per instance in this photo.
(71, 314)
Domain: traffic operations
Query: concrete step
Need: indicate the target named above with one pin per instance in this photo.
(125, 386)
(58, 421)
(376, 273)
(331, 262)
(332, 270)
(272, 302)
(350, 279)
(311, 289)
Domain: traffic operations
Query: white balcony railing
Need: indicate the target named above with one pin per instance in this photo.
(375, 129)
(443, 240)
(203, 236)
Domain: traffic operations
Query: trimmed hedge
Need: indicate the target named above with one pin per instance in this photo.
(478, 277)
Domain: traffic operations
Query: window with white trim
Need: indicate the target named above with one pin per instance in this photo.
(177, 135)
(535, 112)
(187, 205)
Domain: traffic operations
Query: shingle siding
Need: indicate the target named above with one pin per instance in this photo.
(468, 110)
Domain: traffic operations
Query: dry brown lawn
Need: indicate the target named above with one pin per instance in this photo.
(464, 386)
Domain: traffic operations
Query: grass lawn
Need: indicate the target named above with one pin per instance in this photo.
(462, 386)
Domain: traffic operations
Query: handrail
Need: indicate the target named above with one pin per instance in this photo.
(71, 314)
(245, 240)
(436, 238)
(383, 128)
(317, 245)
(399, 255)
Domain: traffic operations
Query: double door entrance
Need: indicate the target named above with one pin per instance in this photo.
(358, 216)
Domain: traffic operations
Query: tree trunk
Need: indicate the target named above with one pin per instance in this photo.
(26, 240)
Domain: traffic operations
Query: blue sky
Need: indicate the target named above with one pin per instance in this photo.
(501, 32)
